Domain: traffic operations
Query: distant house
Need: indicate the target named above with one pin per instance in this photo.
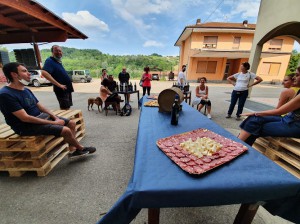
(216, 50)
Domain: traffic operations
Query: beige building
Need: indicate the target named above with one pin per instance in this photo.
(216, 51)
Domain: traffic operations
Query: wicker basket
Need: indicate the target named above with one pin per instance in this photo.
(166, 98)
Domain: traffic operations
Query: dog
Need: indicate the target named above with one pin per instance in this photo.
(97, 101)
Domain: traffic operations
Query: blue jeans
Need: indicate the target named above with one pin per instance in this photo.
(237, 95)
(275, 126)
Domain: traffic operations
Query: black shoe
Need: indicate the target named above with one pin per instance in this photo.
(89, 150)
(78, 153)
(238, 118)
(228, 116)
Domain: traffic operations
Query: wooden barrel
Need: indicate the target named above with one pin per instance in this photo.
(166, 98)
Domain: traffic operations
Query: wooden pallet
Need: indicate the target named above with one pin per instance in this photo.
(54, 159)
(19, 154)
(283, 151)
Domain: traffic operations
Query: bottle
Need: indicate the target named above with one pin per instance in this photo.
(175, 111)
(135, 86)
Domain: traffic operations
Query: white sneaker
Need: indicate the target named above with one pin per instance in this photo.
(208, 116)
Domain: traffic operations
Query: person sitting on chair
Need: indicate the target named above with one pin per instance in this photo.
(201, 98)
(112, 83)
(28, 117)
(107, 96)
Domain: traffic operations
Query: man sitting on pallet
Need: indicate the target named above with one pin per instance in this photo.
(28, 117)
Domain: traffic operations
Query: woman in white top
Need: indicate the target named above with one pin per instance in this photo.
(241, 83)
(201, 98)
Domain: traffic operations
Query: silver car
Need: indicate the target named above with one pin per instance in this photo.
(36, 78)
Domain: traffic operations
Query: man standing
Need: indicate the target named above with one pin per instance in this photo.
(124, 78)
(181, 80)
(54, 71)
(27, 116)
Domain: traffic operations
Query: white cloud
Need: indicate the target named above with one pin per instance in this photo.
(85, 20)
(152, 43)
(248, 9)
(134, 12)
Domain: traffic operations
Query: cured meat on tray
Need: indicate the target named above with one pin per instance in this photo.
(151, 103)
(200, 150)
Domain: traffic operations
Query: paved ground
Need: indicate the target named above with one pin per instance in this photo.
(81, 191)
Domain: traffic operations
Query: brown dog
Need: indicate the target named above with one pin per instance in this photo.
(97, 101)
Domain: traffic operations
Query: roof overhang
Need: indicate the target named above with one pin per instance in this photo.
(28, 21)
(231, 54)
(188, 31)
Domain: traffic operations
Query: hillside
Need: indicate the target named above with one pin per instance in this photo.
(95, 60)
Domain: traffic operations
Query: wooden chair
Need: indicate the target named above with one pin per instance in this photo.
(187, 96)
(107, 104)
(204, 108)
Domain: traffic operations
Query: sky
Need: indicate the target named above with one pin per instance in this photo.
(132, 27)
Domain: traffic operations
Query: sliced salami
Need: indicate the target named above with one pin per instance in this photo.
(189, 169)
(190, 162)
(185, 159)
(206, 160)
(180, 155)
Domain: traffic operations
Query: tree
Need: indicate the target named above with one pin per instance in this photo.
(293, 63)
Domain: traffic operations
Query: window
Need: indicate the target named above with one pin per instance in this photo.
(206, 67)
(275, 44)
(210, 42)
(236, 43)
(269, 68)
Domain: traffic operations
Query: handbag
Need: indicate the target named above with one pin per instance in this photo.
(141, 83)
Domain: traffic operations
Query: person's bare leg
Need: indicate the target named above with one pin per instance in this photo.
(72, 126)
(70, 139)
(243, 135)
(208, 109)
(200, 106)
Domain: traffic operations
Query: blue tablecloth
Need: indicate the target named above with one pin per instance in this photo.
(158, 182)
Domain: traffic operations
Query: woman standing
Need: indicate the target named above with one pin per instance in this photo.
(201, 98)
(146, 78)
(241, 83)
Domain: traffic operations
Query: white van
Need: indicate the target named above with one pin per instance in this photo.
(80, 75)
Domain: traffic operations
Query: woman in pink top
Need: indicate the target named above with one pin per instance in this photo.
(147, 78)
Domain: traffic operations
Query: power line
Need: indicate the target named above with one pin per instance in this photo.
(214, 10)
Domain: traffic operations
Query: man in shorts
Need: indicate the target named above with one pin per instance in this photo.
(54, 71)
(27, 116)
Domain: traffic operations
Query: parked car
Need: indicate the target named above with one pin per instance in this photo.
(37, 79)
(80, 75)
(155, 77)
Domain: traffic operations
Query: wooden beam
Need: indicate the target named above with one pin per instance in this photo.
(12, 23)
(36, 10)
(27, 37)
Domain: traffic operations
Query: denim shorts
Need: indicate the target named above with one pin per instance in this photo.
(275, 126)
(29, 129)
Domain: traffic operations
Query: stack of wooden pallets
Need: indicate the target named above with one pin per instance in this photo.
(20, 154)
(283, 151)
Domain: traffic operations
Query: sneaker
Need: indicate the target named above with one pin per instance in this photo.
(208, 116)
(238, 118)
(78, 153)
(90, 150)
(228, 116)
